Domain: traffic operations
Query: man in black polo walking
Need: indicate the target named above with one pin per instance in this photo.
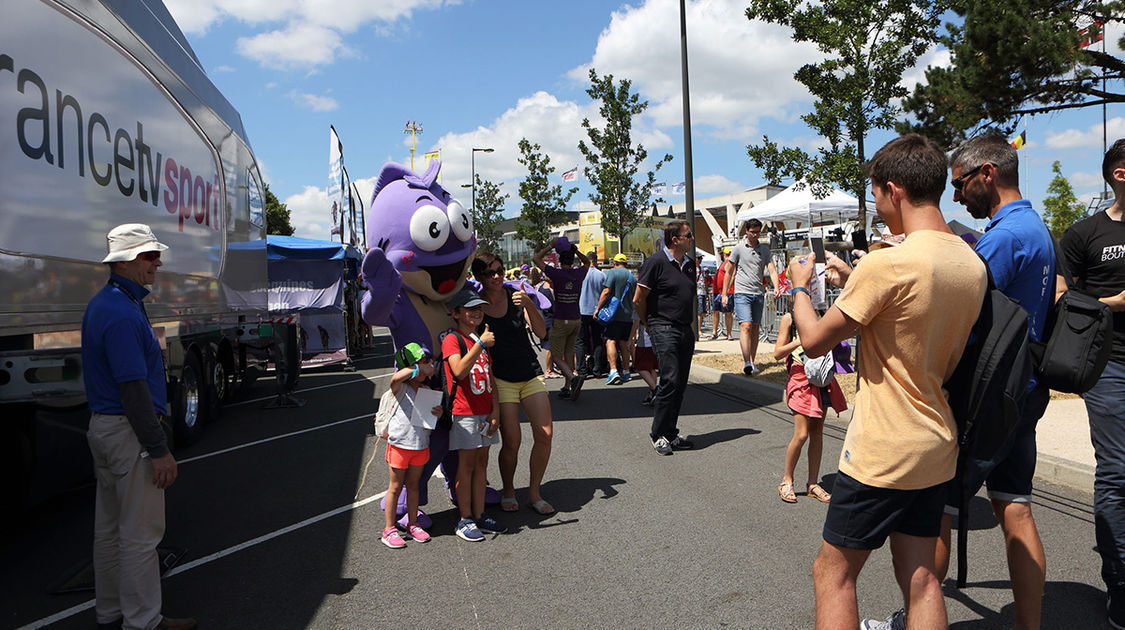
(665, 304)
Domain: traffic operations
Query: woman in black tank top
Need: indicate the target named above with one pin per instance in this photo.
(515, 365)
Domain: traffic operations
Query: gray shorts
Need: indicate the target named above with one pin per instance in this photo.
(466, 433)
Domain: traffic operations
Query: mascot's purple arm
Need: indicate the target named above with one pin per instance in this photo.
(385, 304)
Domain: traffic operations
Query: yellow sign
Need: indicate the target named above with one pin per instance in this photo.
(642, 241)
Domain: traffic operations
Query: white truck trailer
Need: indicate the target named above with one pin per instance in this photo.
(107, 117)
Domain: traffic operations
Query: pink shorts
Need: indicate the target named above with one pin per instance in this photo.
(404, 458)
(807, 400)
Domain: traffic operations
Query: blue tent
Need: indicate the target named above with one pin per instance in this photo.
(294, 248)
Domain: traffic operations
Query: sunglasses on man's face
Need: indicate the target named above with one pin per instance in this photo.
(688, 235)
(150, 256)
(959, 182)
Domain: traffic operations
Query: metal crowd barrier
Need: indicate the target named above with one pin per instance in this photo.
(776, 307)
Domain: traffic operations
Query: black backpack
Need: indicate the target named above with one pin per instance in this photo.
(1077, 339)
(986, 392)
(438, 381)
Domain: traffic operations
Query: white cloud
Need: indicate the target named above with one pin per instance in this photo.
(312, 36)
(223, 69)
(310, 211)
(717, 185)
(935, 58)
(314, 102)
(298, 46)
(543, 119)
(1091, 137)
(1080, 180)
(740, 70)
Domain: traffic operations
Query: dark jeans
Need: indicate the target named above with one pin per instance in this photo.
(673, 346)
(1107, 432)
(590, 343)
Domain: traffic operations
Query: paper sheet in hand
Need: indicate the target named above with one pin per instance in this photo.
(424, 402)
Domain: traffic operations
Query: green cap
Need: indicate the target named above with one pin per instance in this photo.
(408, 355)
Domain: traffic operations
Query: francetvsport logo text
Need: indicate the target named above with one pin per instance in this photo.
(48, 130)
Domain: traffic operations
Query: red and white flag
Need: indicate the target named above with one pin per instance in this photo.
(570, 175)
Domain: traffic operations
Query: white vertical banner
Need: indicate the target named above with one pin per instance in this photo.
(335, 177)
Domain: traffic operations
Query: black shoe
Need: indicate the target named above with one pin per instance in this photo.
(1115, 607)
(564, 393)
(680, 443)
(575, 387)
(602, 374)
(649, 399)
(113, 625)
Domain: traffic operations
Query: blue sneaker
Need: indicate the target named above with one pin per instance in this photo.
(467, 530)
(486, 523)
(624, 377)
(613, 379)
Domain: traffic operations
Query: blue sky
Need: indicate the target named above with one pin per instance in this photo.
(477, 73)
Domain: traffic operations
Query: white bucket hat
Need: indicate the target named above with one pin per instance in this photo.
(128, 240)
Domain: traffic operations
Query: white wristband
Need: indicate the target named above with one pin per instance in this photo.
(475, 338)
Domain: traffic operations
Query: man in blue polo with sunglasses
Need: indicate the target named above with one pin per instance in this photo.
(124, 375)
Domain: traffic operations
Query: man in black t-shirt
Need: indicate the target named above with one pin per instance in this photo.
(1094, 250)
(665, 304)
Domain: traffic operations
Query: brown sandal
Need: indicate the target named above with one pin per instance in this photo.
(818, 493)
(785, 490)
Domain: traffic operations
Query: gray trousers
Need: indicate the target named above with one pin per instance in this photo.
(128, 524)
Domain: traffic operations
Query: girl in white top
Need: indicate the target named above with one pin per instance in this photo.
(408, 444)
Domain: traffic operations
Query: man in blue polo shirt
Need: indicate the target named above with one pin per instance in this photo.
(1021, 256)
(124, 375)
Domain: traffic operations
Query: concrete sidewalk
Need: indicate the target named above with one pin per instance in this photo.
(1066, 456)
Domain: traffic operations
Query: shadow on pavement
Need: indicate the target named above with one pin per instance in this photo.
(1065, 605)
(704, 440)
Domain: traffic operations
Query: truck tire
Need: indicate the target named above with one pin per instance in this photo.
(192, 409)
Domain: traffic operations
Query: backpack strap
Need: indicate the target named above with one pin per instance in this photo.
(451, 382)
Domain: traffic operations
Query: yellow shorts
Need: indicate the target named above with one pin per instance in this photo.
(516, 391)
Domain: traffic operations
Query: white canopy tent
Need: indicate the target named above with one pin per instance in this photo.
(801, 205)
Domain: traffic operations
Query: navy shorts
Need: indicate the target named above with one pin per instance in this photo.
(717, 304)
(617, 330)
(862, 516)
(1009, 476)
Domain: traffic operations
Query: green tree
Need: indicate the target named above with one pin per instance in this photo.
(277, 215)
(1012, 58)
(488, 214)
(867, 46)
(1060, 207)
(544, 204)
(614, 161)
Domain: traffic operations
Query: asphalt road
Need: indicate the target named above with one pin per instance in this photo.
(279, 532)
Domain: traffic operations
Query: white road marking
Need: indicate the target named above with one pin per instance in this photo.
(74, 610)
(308, 389)
(370, 414)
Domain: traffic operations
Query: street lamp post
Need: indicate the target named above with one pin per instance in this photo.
(473, 160)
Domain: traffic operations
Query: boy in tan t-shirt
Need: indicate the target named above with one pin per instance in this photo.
(914, 306)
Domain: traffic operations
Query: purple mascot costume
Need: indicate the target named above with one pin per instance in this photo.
(423, 247)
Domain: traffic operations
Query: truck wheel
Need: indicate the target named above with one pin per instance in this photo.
(191, 411)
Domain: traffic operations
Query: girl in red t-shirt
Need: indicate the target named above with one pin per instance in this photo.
(476, 411)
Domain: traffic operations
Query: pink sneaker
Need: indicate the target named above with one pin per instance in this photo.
(393, 539)
(417, 533)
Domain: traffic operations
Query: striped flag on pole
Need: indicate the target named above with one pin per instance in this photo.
(570, 175)
(660, 188)
(1020, 139)
(678, 189)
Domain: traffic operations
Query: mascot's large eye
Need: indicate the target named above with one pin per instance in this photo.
(429, 228)
(461, 220)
